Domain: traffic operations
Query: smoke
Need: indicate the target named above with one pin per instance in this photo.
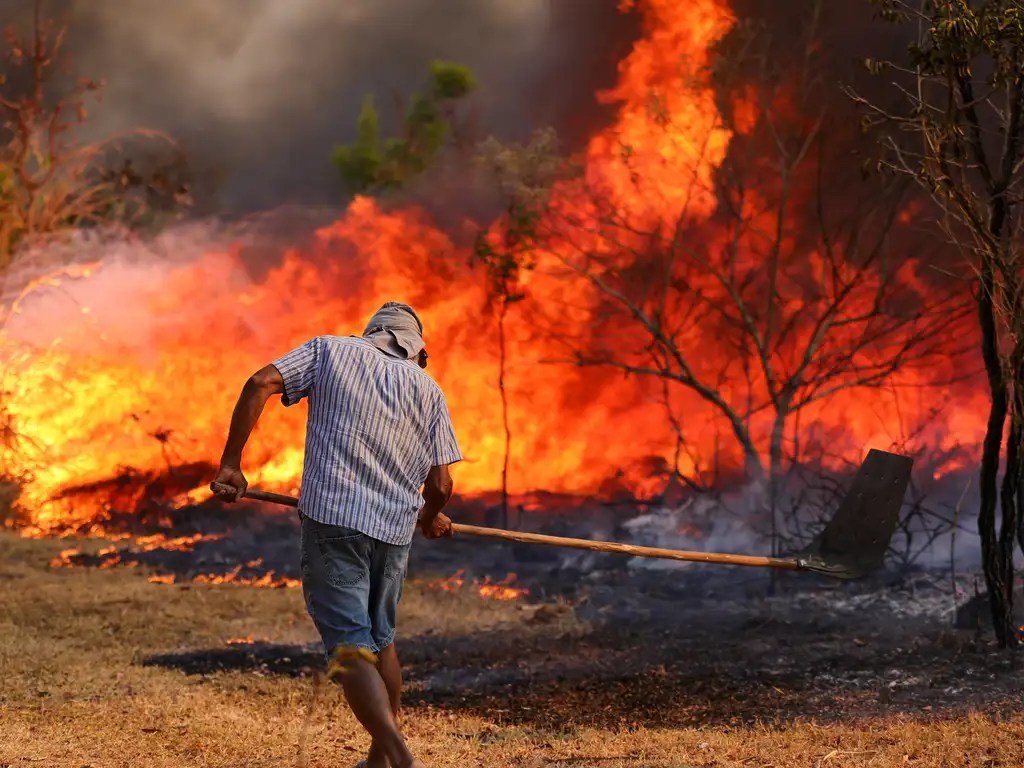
(259, 91)
(705, 523)
(936, 528)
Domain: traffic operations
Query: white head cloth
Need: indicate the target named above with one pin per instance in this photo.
(396, 329)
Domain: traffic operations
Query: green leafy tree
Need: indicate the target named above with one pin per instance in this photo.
(959, 133)
(372, 164)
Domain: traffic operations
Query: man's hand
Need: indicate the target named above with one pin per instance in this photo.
(233, 478)
(437, 526)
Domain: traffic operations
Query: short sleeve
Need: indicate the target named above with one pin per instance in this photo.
(298, 369)
(444, 448)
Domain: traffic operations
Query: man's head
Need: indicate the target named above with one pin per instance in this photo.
(397, 329)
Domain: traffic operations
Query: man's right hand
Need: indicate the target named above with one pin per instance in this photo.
(233, 478)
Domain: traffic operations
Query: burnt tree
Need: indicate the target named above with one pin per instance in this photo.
(43, 184)
(50, 179)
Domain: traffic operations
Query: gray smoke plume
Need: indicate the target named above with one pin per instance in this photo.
(258, 92)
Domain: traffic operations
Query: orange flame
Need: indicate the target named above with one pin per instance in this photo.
(501, 590)
(267, 579)
(111, 557)
(453, 583)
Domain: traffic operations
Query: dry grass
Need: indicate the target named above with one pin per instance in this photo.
(74, 693)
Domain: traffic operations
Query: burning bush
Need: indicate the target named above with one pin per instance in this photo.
(49, 179)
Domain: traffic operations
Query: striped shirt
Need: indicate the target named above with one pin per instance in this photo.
(376, 426)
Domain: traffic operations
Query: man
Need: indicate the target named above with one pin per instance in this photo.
(378, 431)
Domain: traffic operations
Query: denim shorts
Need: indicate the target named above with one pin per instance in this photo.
(352, 584)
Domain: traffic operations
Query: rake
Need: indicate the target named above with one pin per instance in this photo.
(851, 545)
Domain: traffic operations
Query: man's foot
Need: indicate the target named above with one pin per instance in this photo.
(368, 763)
(375, 758)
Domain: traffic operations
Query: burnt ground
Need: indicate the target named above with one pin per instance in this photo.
(606, 641)
(737, 669)
(716, 664)
(822, 656)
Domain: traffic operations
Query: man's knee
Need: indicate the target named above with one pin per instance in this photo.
(346, 658)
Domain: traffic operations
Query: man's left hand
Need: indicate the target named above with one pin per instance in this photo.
(437, 527)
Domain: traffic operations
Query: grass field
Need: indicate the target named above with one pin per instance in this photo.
(75, 692)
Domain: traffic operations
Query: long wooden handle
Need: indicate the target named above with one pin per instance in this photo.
(753, 561)
(627, 549)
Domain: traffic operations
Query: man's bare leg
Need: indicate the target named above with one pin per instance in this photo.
(391, 671)
(368, 697)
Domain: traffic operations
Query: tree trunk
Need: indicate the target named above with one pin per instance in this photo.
(1008, 526)
(774, 482)
(998, 578)
(502, 313)
(1015, 464)
(775, 475)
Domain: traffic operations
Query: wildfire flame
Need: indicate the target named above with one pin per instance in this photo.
(119, 385)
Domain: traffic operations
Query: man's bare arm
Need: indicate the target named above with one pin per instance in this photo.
(437, 490)
(257, 390)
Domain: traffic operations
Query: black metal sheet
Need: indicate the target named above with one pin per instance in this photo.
(855, 540)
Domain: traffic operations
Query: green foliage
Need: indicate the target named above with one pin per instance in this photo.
(373, 164)
(360, 162)
(506, 258)
(958, 32)
(450, 80)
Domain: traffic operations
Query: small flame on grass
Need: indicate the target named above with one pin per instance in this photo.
(502, 589)
(179, 543)
(64, 559)
(268, 579)
(453, 583)
(112, 556)
(499, 590)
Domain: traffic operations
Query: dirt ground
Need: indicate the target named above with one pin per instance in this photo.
(101, 667)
